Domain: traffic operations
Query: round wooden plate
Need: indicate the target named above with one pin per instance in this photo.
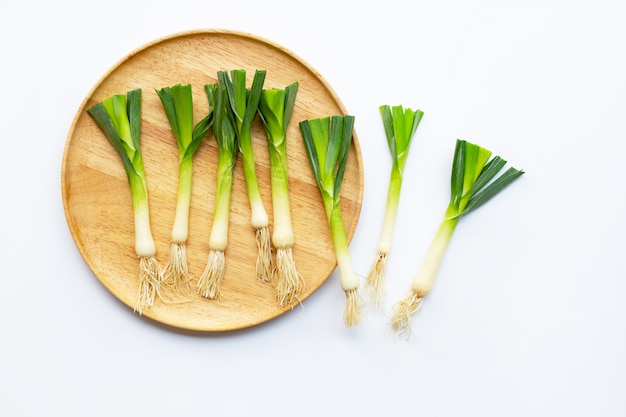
(96, 194)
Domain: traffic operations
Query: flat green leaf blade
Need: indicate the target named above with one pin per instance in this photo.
(417, 118)
(311, 150)
(211, 91)
(458, 174)
(271, 109)
(275, 109)
(320, 134)
(223, 124)
(334, 146)
(224, 81)
(404, 131)
(115, 107)
(386, 115)
(475, 159)
(104, 122)
(493, 189)
(183, 103)
(134, 116)
(291, 91)
(399, 128)
(167, 101)
(252, 99)
(201, 129)
(346, 140)
(236, 88)
(489, 171)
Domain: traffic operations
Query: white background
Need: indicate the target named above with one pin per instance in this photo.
(528, 315)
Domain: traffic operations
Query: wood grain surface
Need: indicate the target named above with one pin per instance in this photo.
(96, 194)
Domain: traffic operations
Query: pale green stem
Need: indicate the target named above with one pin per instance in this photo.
(391, 210)
(259, 216)
(348, 278)
(425, 278)
(219, 231)
(144, 243)
(180, 229)
(283, 236)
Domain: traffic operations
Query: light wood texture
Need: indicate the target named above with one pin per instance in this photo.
(97, 200)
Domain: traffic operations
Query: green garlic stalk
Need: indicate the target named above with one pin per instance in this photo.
(210, 283)
(327, 142)
(244, 105)
(400, 126)
(178, 106)
(119, 118)
(472, 185)
(275, 108)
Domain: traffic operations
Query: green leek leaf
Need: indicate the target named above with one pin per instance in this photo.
(327, 142)
(473, 173)
(494, 188)
(177, 103)
(119, 118)
(400, 125)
